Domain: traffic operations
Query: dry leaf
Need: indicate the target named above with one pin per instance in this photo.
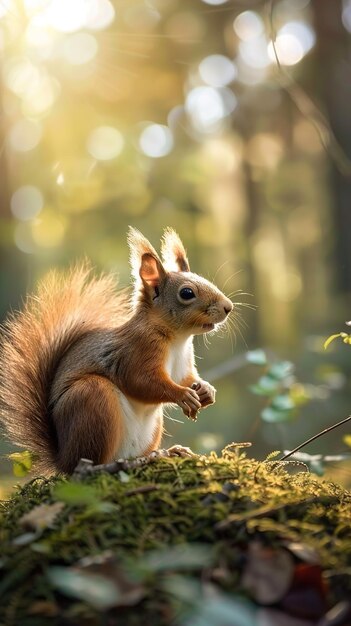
(41, 516)
(268, 573)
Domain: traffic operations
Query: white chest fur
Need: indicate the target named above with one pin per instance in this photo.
(140, 421)
(180, 358)
(139, 425)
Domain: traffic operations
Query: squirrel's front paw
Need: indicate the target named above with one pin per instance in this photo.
(189, 402)
(205, 391)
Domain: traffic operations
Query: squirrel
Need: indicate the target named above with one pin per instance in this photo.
(85, 373)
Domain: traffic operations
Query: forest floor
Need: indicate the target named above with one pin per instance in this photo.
(203, 541)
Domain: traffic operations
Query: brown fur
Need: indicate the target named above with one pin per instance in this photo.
(88, 423)
(64, 310)
(76, 346)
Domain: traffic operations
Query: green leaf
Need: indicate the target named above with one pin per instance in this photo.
(181, 557)
(271, 415)
(272, 455)
(123, 476)
(266, 386)
(330, 339)
(224, 610)
(76, 493)
(283, 403)
(22, 462)
(257, 357)
(347, 439)
(281, 370)
(96, 590)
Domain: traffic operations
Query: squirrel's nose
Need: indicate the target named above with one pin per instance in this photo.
(228, 307)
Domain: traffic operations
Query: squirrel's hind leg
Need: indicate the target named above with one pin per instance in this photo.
(88, 422)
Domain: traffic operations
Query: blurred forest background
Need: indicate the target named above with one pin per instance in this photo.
(231, 122)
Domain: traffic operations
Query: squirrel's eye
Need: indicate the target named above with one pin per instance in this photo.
(186, 293)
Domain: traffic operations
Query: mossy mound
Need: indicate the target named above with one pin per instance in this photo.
(149, 543)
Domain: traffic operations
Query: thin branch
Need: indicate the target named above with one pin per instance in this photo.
(323, 432)
(308, 108)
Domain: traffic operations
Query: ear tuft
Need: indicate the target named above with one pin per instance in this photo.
(149, 270)
(145, 262)
(173, 252)
(138, 245)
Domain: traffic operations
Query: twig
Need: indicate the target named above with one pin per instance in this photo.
(86, 467)
(142, 489)
(323, 432)
(268, 510)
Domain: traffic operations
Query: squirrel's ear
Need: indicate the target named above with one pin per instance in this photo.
(173, 252)
(145, 262)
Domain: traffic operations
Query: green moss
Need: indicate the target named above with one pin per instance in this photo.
(128, 522)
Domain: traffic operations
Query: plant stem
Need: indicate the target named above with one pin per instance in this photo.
(323, 432)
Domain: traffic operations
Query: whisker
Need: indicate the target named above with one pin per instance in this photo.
(241, 292)
(218, 270)
(246, 305)
(230, 277)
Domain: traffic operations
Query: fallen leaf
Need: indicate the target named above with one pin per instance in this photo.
(339, 615)
(41, 516)
(268, 573)
(303, 552)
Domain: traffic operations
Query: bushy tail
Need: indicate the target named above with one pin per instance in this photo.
(65, 307)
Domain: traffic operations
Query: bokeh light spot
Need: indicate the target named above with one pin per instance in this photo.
(286, 286)
(254, 52)
(23, 238)
(20, 74)
(80, 48)
(207, 106)
(41, 96)
(105, 143)
(156, 140)
(214, 2)
(288, 48)
(217, 70)
(25, 135)
(293, 41)
(346, 15)
(26, 202)
(248, 25)
(100, 14)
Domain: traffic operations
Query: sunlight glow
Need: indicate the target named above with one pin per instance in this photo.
(100, 14)
(37, 89)
(217, 70)
(66, 16)
(26, 202)
(156, 141)
(105, 143)
(80, 48)
(5, 7)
